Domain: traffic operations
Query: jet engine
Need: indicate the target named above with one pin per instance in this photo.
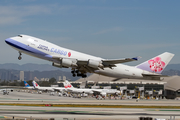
(65, 63)
(117, 93)
(103, 94)
(95, 64)
(57, 65)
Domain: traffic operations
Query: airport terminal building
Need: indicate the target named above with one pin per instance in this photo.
(168, 88)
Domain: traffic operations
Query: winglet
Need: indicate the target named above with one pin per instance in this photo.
(137, 58)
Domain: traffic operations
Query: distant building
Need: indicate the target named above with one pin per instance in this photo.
(168, 87)
(64, 77)
(28, 75)
(59, 78)
(36, 79)
(44, 79)
(21, 75)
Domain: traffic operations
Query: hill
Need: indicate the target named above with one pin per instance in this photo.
(10, 71)
(29, 67)
(47, 67)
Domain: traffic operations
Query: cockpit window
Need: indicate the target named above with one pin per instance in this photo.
(20, 35)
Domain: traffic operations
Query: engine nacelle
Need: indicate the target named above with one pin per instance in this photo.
(65, 63)
(103, 94)
(94, 64)
(57, 65)
(117, 92)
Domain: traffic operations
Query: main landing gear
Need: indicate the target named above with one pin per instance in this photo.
(77, 73)
(20, 56)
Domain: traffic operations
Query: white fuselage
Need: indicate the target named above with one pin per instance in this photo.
(29, 87)
(46, 50)
(45, 88)
(92, 91)
(79, 90)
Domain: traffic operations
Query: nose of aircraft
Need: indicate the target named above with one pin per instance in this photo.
(8, 41)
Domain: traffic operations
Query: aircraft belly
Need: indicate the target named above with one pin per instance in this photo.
(121, 72)
(109, 72)
(46, 57)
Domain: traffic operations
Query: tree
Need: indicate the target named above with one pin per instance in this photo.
(52, 80)
(21, 83)
(30, 82)
(44, 83)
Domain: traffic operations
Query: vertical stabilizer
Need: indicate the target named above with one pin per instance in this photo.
(26, 84)
(67, 84)
(35, 84)
(156, 64)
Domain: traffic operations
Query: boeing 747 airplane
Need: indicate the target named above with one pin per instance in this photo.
(36, 86)
(83, 63)
(101, 92)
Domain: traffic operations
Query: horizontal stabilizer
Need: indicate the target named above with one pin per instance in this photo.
(154, 75)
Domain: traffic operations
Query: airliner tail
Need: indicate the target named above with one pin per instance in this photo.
(156, 64)
(26, 84)
(67, 84)
(35, 84)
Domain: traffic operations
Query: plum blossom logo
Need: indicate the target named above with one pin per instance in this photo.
(36, 84)
(68, 86)
(156, 64)
(69, 54)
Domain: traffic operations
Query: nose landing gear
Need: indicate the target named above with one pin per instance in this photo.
(19, 58)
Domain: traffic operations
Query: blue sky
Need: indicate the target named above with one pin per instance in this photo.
(105, 28)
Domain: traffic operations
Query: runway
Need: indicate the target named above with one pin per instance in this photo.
(85, 113)
(45, 98)
(82, 113)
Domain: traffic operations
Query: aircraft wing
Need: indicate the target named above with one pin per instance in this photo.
(99, 92)
(59, 89)
(96, 91)
(89, 65)
(103, 61)
(117, 61)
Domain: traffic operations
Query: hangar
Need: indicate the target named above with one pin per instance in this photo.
(169, 87)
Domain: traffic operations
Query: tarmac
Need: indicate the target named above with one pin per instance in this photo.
(26, 105)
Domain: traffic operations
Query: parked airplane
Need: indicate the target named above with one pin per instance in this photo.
(71, 89)
(27, 85)
(36, 86)
(60, 89)
(104, 92)
(82, 63)
(101, 92)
